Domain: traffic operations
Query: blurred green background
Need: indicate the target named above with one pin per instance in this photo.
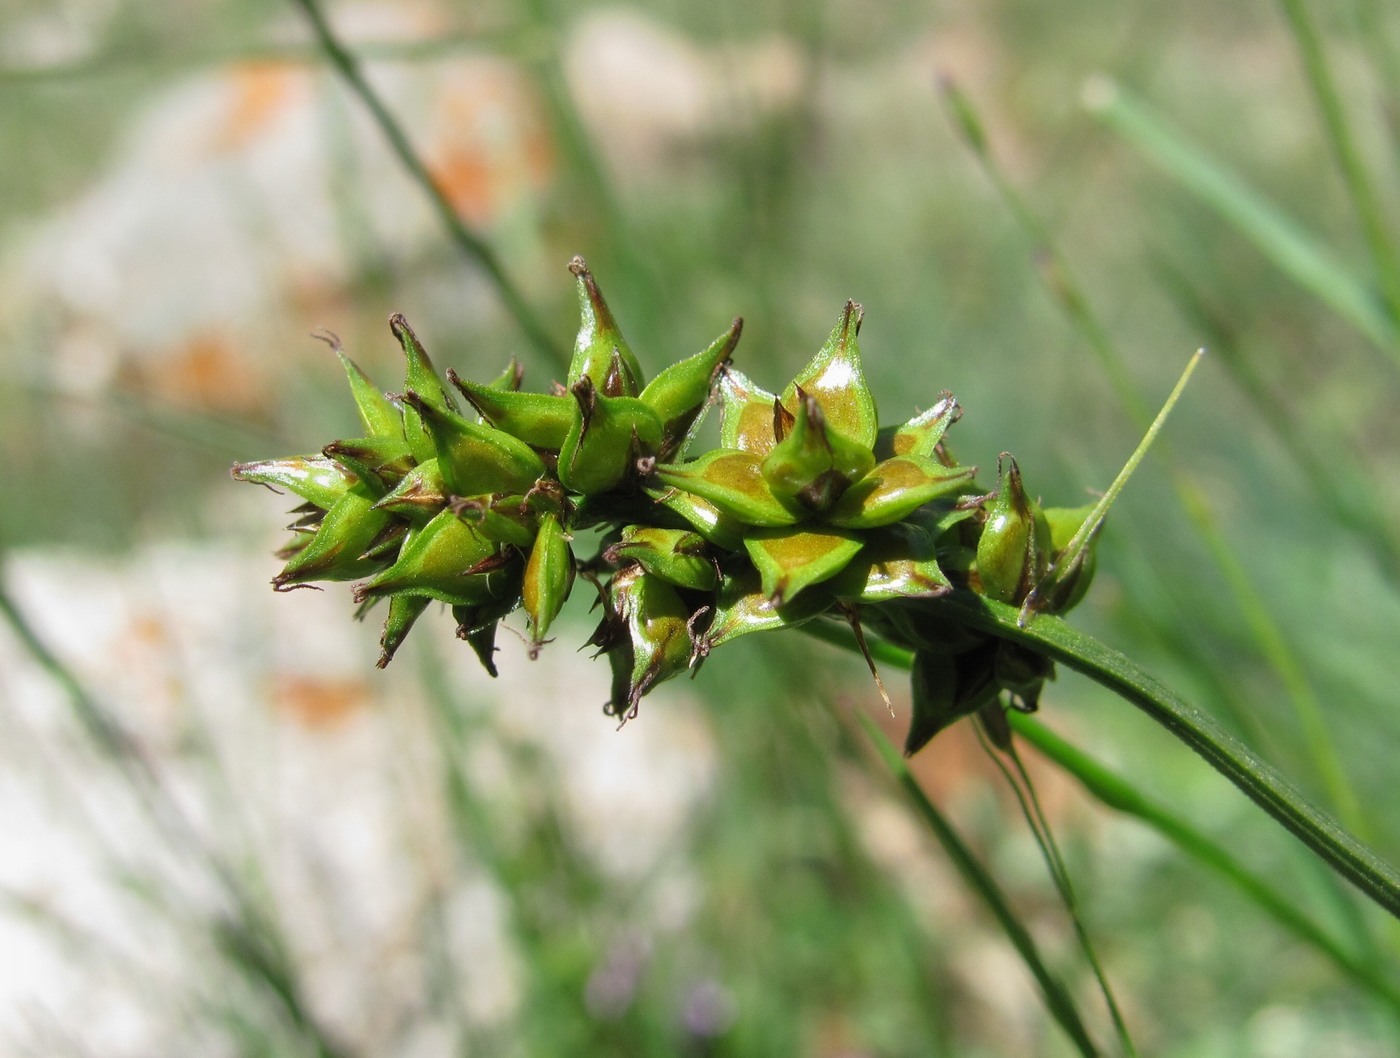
(285, 851)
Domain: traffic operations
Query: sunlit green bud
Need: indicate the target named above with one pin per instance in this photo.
(377, 461)
(900, 562)
(541, 420)
(743, 607)
(447, 560)
(703, 516)
(921, 434)
(1068, 583)
(1014, 546)
(315, 479)
(549, 577)
(733, 483)
(420, 378)
(418, 496)
(381, 418)
(506, 519)
(947, 687)
(746, 414)
(646, 634)
(789, 560)
(680, 391)
(677, 556)
(477, 626)
(895, 489)
(419, 373)
(334, 553)
(1022, 672)
(814, 465)
(605, 440)
(403, 611)
(476, 459)
(600, 352)
(836, 378)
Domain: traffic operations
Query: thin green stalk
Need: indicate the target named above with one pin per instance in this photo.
(1024, 789)
(1374, 225)
(1056, 996)
(1117, 793)
(1078, 544)
(1259, 780)
(99, 726)
(472, 245)
(1269, 637)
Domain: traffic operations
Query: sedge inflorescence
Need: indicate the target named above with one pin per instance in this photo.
(481, 496)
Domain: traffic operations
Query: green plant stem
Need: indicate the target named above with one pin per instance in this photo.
(1079, 542)
(1019, 780)
(1384, 256)
(1260, 781)
(1118, 794)
(100, 728)
(472, 245)
(1057, 998)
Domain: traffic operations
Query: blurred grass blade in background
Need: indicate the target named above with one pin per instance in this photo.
(1336, 122)
(1058, 999)
(1272, 642)
(1297, 254)
(1122, 796)
(473, 246)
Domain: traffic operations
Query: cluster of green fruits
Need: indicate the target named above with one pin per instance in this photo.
(478, 495)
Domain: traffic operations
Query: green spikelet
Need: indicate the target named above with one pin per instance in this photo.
(806, 510)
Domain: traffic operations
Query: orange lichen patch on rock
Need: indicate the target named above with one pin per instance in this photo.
(259, 93)
(207, 371)
(487, 143)
(317, 702)
(468, 179)
(145, 650)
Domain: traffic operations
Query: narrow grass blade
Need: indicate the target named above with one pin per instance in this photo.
(1295, 252)
(472, 245)
(1270, 639)
(1331, 474)
(1374, 225)
(1057, 999)
(1079, 542)
(1259, 780)
(1024, 790)
(1119, 794)
(247, 935)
